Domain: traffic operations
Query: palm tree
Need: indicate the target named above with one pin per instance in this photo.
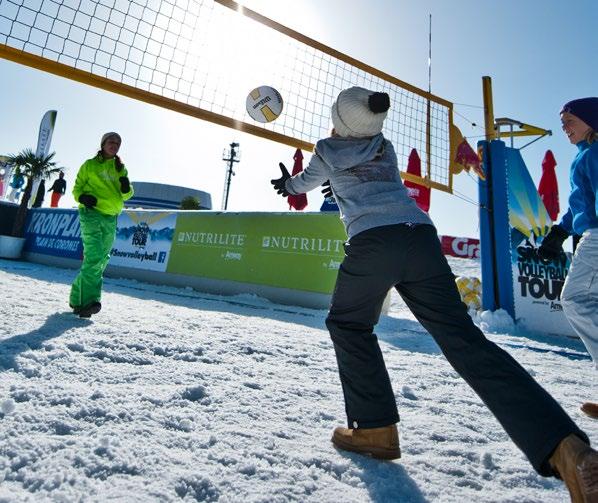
(32, 167)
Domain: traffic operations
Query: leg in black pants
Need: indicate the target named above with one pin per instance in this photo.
(410, 258)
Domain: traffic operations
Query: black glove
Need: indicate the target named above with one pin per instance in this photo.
(327, 190)
(279, 182)
(88, 200)
(552, 244)
(125, 185)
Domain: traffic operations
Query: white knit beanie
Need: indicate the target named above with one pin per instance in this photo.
(359, 113)
(110, 135)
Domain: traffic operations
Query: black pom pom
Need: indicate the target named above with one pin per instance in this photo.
(379, 102)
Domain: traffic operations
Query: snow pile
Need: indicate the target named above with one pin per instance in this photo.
(495, 322)
(173, 395)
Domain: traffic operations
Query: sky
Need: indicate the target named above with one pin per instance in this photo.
(171, 395)
(538, 54)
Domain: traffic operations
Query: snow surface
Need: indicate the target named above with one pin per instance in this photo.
(173, 395)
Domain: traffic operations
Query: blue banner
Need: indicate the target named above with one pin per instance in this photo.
(54, 232)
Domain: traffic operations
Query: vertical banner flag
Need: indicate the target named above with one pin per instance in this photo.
(548, 187)
(420, 193)
(44, 138)
(299, 201)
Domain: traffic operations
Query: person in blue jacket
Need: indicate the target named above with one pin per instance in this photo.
(16, 185)
(579, 296)
(392, 243)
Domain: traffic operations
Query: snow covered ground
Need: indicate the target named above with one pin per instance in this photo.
(173, 395)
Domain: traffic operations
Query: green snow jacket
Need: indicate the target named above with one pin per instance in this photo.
(100, 179)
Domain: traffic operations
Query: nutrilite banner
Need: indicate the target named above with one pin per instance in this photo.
(537, 283)
(298, 251)
(143, 240)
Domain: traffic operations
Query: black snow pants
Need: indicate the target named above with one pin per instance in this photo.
(409, 257)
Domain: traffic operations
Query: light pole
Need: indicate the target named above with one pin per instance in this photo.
(230, 155)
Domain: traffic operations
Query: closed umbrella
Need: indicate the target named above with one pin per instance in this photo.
(548, 187)
(420, 193)
(299, 201)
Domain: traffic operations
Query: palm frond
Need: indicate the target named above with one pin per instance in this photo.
(33, 168)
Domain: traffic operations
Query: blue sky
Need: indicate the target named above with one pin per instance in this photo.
(538, 53)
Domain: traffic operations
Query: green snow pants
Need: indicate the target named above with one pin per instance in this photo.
(97, 233)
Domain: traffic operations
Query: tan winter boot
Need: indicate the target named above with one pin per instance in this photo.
(577, 464)
(590, 409)
(381, 443)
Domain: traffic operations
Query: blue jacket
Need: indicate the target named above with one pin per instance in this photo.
(17, 181)
(365, 181)
(583, 201)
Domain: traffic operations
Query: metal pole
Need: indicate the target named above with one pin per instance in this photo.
(430, 56)
(229, 173)
(488, 108)
(429, 108)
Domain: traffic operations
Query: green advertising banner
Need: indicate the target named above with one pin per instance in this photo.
(300, 251)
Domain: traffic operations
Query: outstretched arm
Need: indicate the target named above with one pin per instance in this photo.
(314, 175)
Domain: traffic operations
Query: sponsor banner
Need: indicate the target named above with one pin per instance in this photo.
(537, 283)
(44, 138)
(297, 251)
(143, 240)
(54, 232)
(460, 247)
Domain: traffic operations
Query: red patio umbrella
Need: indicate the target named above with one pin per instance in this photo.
(548, 187)
(420, 193)
(299, 201)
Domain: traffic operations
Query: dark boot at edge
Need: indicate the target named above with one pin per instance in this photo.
(87, 311)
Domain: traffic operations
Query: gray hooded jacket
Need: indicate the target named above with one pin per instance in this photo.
(365, 180)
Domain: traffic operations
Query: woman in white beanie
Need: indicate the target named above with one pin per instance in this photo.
(101, 187)
(392, 243)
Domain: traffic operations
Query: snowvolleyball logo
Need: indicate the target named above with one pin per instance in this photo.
(139, 238)
(143, 240)
(539, 278)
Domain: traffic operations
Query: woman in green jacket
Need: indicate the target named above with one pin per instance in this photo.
(101, 187)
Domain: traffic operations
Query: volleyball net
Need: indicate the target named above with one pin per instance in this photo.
(202, 57)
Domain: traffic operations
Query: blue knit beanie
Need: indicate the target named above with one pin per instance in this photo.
(584, 108)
